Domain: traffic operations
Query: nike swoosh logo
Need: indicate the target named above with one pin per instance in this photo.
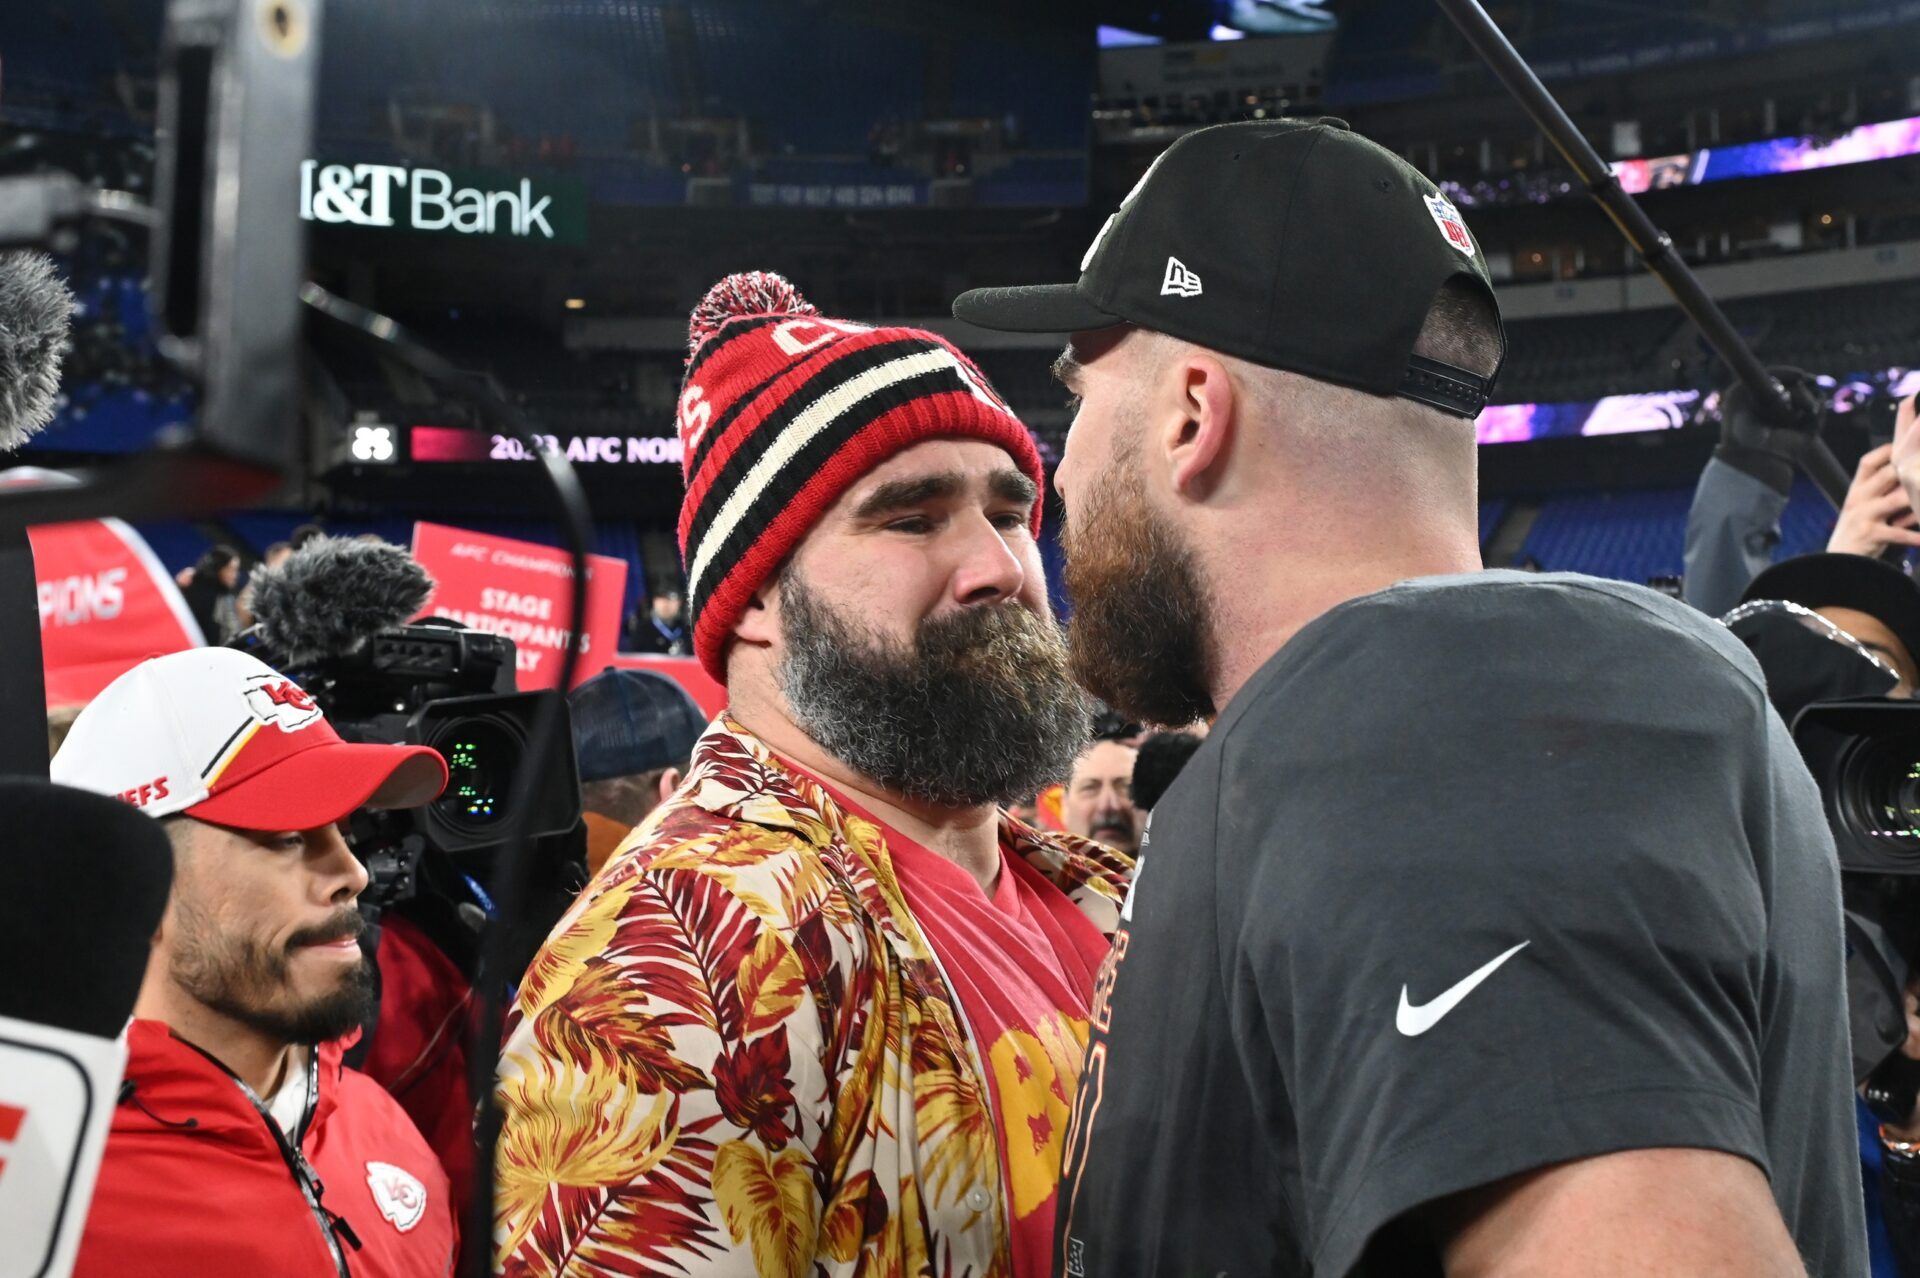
(1415, 1021)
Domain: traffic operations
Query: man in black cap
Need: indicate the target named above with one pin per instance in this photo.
(633, 734)
(1504, 931)
(1874, 602)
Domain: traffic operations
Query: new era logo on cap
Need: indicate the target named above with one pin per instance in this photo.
(1179, 281)
(221, 736)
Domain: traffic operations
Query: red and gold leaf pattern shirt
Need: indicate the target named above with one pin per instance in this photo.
(737, 1054)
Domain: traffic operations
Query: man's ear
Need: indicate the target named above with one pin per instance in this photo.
(760, 623)
(669, 782)
(1199, 422)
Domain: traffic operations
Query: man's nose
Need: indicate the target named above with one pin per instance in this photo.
(989, 571)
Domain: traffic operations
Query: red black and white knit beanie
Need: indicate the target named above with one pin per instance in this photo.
(781, 411)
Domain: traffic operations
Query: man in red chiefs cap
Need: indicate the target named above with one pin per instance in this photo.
(822, 1012)
(240, 1144)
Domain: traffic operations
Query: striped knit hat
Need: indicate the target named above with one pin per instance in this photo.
(781, 411)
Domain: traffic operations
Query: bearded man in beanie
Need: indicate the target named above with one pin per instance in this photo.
(823, 1012)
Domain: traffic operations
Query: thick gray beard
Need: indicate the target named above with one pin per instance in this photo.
(980, 709)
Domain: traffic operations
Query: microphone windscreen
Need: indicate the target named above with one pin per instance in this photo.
(36, 312)
(333, 594)
(83, 882)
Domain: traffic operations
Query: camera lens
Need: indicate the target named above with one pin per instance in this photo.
(481, 756)
(1880, 792)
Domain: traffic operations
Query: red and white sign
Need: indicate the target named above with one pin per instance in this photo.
(709, 695)
(522, 590)
(106, 604)
(56, 1103)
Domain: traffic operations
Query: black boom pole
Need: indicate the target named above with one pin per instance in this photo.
(1654, 246)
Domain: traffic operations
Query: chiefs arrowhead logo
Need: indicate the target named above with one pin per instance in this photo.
(279, 701)
(398, 1193)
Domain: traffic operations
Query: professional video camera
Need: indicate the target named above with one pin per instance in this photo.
(333, 618)
(1865, 755)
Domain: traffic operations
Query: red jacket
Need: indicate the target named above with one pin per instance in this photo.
(196, 1180)
(419, 1048)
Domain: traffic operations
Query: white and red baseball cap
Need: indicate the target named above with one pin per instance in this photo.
(223, 737)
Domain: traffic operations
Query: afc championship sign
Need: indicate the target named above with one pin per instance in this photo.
(546, 210)
(521, 589)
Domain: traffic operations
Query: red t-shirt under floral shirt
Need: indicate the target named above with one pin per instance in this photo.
(1022, 963)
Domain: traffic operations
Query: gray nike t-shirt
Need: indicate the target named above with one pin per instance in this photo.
(1476, 875)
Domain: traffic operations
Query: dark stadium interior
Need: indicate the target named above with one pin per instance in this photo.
(558, 198)
(792, 128)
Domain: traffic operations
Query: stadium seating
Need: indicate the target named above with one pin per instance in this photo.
(1634, 536)
(1587, 357)
(1833, 331)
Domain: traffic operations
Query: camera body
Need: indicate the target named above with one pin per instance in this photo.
(1864, 754)
(452, 689)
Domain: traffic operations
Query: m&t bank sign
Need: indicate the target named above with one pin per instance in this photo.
(375, 196)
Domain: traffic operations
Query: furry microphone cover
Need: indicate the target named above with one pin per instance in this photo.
(36, 313)
(333, 594)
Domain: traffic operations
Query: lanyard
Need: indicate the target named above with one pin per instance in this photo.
(333, 1226)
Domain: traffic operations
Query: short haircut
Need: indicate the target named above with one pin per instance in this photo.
(627, 799)
(1462, 328)
(59, 723)
(1161, 758)
(179, 828)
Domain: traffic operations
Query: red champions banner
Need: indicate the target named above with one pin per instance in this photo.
(106, 604)
(522, 589)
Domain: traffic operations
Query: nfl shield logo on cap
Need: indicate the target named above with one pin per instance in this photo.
(1447, 218)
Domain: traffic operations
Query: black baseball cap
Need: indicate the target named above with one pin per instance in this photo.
(626, 722)
(1858, 582)
(1294, 244)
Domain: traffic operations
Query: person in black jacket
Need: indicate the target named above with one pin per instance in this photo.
(662, 628)
(211, 589)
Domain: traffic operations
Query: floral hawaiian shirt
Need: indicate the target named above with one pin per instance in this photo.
(737, 1054)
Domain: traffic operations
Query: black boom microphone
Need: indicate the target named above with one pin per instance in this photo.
(1792, 423)
(83, 884)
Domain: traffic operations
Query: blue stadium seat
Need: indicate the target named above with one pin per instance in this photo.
(1632, 536)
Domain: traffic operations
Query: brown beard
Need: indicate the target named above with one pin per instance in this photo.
(243, 978)
(978, 708)
(1141, 633)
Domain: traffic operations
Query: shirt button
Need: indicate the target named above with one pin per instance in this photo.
(978, 1199)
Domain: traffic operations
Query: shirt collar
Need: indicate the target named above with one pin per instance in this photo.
(735, 775)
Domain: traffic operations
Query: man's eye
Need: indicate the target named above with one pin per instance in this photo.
(1011, 521)
(911, 524)
(290, 842)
